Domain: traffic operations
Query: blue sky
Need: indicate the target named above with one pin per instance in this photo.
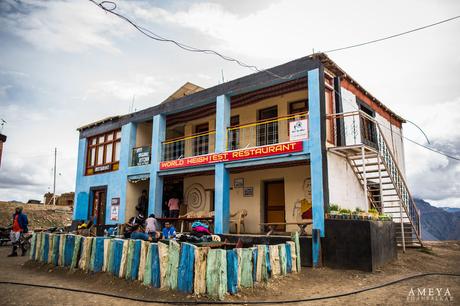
(66, 63)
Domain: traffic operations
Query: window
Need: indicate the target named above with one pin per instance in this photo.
(267, 133)
(234, 134)
(103, 152)
(201, 142)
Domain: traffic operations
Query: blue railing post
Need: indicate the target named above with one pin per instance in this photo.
(317, 158)
(156, 181)
(222, 176)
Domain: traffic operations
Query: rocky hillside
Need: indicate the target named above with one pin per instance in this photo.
(38, 215)
(437, 223)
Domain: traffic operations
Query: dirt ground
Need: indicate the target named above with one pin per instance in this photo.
(441, 257)
(39, 216)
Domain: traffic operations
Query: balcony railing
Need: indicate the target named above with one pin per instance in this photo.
(354, 128)
(261, 133)
(141, 156)
(188, 146)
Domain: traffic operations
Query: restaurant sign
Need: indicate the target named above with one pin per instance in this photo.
(270, 150)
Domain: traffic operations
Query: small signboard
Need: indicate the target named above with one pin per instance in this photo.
(298, 130)
(115, 201)
(141, 156)
(114, 212)
(248, 191)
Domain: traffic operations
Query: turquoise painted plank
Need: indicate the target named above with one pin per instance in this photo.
(155, 267)
(46, 247)
(136, 259)
(288, 258)
(186, 268)
(68, 250)
(232, 271)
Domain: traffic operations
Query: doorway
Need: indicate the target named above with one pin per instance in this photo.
(173, 187)
(98, 205)
(274, 206)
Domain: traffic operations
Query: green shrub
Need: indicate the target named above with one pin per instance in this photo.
(333, 207)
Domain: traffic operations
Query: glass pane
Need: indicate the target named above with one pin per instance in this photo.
(117, 151)
(108, 153)
(92, 156)
(118, 134)
(110, 137)
(93, 141)
(101, 139)
(100, 154)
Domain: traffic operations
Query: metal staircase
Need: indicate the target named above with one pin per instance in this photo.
(375, 166)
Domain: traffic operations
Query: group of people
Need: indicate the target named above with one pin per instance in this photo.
(148, 229)
(171, 209)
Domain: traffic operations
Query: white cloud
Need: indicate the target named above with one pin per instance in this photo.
(138, 85)
(70, 26)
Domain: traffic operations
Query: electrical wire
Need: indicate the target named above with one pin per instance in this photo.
(152, 35)
(195, 302)
(392, 36)
(110, 7)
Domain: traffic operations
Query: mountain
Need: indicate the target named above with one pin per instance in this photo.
(451, 209)
(437, 223)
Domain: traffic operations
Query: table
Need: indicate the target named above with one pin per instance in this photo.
(186, 219)
(271, 225)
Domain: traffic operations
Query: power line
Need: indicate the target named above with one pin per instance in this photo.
(393, 36)
(152, 35)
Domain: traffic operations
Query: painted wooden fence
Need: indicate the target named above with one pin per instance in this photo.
(183, 267)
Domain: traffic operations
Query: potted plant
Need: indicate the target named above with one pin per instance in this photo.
(374, 214)
(333, 211)
(357, 214)
(385, 217)
(345, 213)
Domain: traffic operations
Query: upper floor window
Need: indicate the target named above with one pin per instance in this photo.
(103, 153)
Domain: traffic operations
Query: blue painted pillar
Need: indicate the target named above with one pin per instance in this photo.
(221, 176)
(156, 181)
(317, 156)
(81, 199)
(128, 141)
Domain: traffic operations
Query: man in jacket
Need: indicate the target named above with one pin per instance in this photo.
(20, 223)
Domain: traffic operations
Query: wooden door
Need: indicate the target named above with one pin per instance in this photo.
(275, 208)
(98, 206)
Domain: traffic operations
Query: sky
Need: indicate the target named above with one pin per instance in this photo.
(64, 64)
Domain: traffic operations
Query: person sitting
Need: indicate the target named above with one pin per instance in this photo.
(138, 233)
(151, 224)
(168, 231)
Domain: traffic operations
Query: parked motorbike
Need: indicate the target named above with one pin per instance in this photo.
(4, 235)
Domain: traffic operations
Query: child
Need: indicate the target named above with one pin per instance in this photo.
(169, 231)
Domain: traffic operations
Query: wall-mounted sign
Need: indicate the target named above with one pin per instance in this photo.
(248, 191)
(257, 152)
(238, 183)
(114, 212)
(141, 156)
(115, 201)
(298, 130)
(102, 168)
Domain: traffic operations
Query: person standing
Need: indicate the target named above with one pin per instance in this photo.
(143, 204)
(173, 206)
(20, 223)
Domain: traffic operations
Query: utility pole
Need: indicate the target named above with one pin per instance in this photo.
(54, 183)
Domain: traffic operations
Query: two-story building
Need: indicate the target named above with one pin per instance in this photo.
(281, 144)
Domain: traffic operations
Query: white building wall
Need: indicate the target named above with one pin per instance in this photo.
(344, 188)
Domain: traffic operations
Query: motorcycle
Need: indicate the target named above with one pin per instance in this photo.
(5, 235)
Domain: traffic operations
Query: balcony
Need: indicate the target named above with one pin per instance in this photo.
(188, 146)
(258, 134)
(262, 133)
